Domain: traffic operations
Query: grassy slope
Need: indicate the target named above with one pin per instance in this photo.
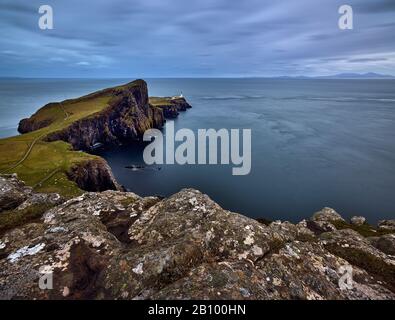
(49, 162)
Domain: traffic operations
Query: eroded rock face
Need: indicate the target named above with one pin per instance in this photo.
(94, 175)
(117, 245)
(127, 117)
(15, 195)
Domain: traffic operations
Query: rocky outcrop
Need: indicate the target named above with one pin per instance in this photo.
(387, 225)
(94, 175)
(358, 220)
(171, 106)
(127, 117)
(12, 192)
(117, 245)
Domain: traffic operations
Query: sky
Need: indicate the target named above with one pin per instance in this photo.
(195, 38)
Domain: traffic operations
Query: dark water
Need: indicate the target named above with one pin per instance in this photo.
(315, 143)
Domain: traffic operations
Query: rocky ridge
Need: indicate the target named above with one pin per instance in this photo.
(117, 245)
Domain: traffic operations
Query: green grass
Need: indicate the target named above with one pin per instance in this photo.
(160, 101)
(15, 218)
(364, 230)
(46, 157)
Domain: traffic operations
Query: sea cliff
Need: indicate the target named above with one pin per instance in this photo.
(46, 156)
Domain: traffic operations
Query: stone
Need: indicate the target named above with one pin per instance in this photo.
(385, 243)
(387, 225)
(358, 220)
(13, 192)
(327, 215)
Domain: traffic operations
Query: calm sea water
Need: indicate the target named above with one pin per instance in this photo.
(315, 143)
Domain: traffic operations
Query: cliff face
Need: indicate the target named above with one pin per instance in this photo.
(93, 175)
(171, 106)
(117, 245)
(108, 116)
(127, 117)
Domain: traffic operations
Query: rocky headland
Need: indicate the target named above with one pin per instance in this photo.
(117, 245)
(52, 154)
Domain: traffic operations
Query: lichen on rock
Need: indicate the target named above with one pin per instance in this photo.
(117, 245)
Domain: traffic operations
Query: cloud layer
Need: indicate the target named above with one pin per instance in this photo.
(178, 38)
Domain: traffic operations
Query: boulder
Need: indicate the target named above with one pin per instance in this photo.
(327, 215)
(13, 192)
(358, 220)
(384, 243)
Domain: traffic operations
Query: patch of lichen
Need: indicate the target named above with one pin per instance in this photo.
(16, 218)
(127, 201)
(364, 230)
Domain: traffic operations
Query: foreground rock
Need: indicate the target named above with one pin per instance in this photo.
(117, 245)
(14, 194)
(358, 221)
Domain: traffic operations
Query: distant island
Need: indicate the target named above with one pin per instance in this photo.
(369, 75)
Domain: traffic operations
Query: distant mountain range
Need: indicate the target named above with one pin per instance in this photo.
(369, 75)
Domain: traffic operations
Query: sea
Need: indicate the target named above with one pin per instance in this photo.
(315, 143)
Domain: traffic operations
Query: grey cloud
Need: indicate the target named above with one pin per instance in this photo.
(367, 60)
(375, 6)
(206, 37)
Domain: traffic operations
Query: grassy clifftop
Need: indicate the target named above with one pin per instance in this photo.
(106, 115)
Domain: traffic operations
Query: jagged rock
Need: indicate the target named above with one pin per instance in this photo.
(327, 215)
(387, 225)
(170, 106)
(117, 245)
(13, 192)
(384, 243)
(49, 199)
(358, 220)
(94, 175)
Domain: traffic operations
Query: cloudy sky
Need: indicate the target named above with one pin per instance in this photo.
(195, 38)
